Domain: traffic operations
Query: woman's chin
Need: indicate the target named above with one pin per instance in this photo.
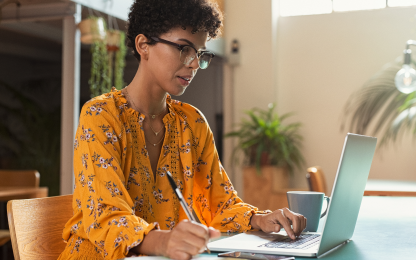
(178, 92)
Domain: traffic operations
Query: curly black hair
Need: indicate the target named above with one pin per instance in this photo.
(155, 17)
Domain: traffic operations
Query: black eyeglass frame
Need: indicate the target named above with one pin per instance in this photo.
(181, 46)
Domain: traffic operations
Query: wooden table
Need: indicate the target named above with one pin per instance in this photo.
(390, 188)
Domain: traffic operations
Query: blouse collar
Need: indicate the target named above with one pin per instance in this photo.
(124, 105)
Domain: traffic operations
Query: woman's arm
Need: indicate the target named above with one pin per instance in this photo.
(184, 241)
(225, 210)
(104, 208)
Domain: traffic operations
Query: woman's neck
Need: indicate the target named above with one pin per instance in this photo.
(145, 96)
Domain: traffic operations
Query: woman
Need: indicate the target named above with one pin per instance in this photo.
(127, 140)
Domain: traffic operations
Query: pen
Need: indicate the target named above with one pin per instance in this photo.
(181, 200)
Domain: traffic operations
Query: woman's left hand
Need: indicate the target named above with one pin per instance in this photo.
(281, 218)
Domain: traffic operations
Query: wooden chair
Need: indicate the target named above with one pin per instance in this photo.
(4, 236)
(17, 178)
(36, 226)
(316, 179)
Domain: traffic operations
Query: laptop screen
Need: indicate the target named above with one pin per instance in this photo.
(348, 190)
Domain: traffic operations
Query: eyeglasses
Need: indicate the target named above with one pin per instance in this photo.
(189, 53)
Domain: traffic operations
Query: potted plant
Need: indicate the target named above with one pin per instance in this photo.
(108, 53)
(271, 152)
(380, 107)
(100, 80)
(117, 50)
(92, 29)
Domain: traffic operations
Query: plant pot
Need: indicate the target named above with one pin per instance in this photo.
(113, 40)
(92, 30)
(258, 189)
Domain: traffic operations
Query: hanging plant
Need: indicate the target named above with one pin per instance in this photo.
(117, 52)
(108, 52)
(92, 30)
(100, 81)
(120, 62)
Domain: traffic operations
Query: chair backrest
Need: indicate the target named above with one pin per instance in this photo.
(316, 179)
(36, 226)
(19, 178)
(4, 236)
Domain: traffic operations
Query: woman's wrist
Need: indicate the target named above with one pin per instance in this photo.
(154, 243)
(255, 221)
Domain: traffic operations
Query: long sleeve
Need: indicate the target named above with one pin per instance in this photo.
(219, 205)
(104, 210)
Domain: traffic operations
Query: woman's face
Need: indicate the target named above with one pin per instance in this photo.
(167, 71)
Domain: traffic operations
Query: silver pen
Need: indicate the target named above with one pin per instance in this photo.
(181, 200)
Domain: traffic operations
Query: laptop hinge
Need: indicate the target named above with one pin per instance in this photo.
(334, 248)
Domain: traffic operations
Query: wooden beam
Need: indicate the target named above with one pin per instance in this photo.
(36, 12)
(71, 47)
(37, 29)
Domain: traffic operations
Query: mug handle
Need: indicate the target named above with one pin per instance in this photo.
(327, 204)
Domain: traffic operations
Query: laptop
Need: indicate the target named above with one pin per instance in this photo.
(347, 193)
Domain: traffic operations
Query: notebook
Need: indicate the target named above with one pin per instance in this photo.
(347, 193)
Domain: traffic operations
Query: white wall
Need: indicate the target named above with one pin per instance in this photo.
(252, 81)
(321, 61)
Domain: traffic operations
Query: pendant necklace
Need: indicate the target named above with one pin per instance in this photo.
(155, 143)
(150, 124)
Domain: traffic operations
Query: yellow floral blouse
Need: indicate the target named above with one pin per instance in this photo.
(117, 201)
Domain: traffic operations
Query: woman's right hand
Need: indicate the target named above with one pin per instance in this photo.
(188, 239)
(182, 242)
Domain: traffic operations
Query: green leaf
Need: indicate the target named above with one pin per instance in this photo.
(379, 104)
(265, 134)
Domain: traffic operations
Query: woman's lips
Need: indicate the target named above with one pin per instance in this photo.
(184, 81)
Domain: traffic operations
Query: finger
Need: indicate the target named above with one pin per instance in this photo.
(191, 248)
(298, 224)
(179, 255)
(271, 226)
(277, 227)
(197, 243)
(285, 222)
(188, 237)
(197, 229)
(305, 222)
(214, 233)
(270, 222)
(302, 224)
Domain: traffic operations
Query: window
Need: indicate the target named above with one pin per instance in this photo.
(308, 7)
(393, 3)
(305, 7)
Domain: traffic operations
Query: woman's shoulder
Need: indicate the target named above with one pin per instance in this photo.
(105, 106)
(189, 113)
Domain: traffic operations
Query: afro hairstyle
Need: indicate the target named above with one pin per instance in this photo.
(155, 17)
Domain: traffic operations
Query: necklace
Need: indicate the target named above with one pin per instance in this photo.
(152, 116)
(135, 107)
(157, 142)
(156, 133)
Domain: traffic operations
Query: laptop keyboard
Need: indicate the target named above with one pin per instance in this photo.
(304, 241)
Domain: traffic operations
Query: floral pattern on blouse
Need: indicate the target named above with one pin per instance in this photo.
(118, 199)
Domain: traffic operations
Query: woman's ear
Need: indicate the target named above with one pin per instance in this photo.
(141, 46)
